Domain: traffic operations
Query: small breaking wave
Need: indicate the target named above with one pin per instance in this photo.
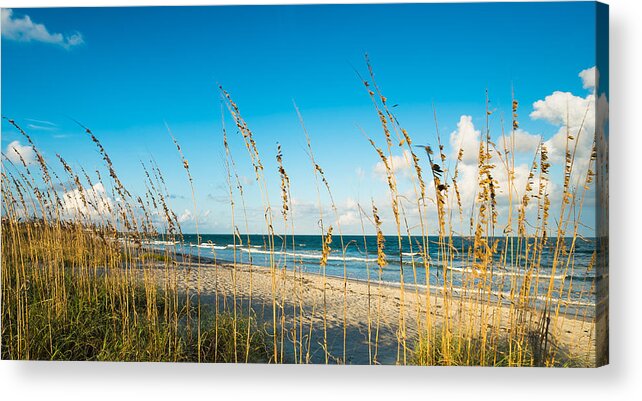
(501, 273)
(160, 242)
(306, 255)
(212, 246)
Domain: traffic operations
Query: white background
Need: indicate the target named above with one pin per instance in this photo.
(622, 379)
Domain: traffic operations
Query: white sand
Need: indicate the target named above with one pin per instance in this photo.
(379, 304)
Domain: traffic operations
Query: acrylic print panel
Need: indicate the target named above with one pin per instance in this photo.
(410, 184)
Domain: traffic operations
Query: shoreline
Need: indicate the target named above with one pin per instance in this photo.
(435, 289)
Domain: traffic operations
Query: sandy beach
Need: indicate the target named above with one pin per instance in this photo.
(357, 303)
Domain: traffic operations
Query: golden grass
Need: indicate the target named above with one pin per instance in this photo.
(68, 263)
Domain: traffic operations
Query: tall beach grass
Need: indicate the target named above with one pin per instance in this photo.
(80, 283)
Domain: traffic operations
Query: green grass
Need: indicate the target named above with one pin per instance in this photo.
(93, 327)
(155, 256)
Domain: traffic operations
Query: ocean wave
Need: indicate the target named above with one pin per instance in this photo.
(543, 298)
(304, 255)
(212, 246)
(508, 273)
(160, 242)
(241, 246)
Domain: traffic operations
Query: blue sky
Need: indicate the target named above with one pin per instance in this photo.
(124, 72)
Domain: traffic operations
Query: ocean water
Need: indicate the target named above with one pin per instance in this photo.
(358, 256)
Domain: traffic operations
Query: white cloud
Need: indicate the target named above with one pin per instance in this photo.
(467, 183)
(466, 137)
(602, 115)
(25, 30)
(185, 216)
(302, 208)
(520, 177)
(45, 122)
(41, 127)
(525, 142)
(399, 164)
(575, 116)
(348, 219)
(351, 204)
(96, 202)
(559, 107)
(27, 153)
(589, 77)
